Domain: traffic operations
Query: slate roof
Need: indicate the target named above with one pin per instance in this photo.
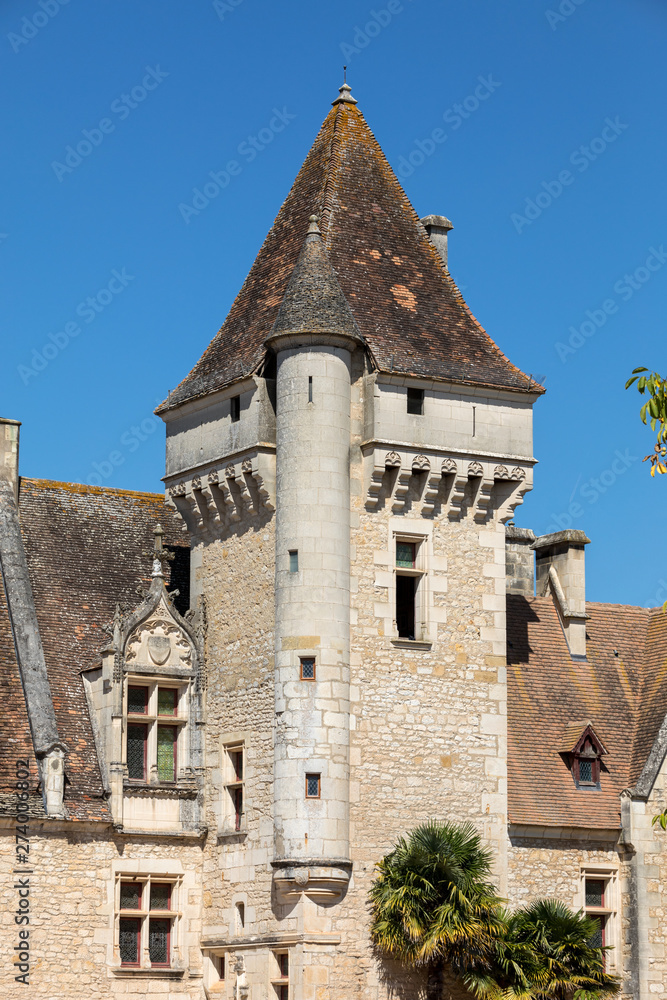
(87, 548)
(621, 690)
(405, 303)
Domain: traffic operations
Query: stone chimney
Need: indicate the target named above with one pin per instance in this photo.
(560, 564)
(519, 561)
(437, 227)
(9, 452)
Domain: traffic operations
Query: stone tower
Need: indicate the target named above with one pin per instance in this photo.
(346, 454)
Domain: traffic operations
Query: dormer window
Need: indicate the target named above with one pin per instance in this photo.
(583, 750)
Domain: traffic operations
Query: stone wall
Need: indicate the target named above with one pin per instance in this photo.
(72, 910)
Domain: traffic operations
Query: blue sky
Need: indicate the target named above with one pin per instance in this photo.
(554, 182)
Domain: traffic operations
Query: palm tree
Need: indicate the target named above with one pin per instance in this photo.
(433, 904)
(545, 952)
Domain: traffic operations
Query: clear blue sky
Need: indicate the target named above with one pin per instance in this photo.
(179, 87)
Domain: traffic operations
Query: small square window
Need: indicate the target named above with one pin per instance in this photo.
(312, 786)
(416, 401)
(307, 668)
(294, 560)
(235, 408)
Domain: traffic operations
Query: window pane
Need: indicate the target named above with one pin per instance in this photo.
(283, 960)
(130, 895)
(137, 699)
(238, 807)
(597, 940)
(585, 770)
(166, 701)
(160, 896)
(236, 758)
(136, 751)
(129, 941)
(405, 554)
(294, 561)
(416, 401)
(166, 753)
(594, 892)
(307, 668)
(158, 941)
(312, 786)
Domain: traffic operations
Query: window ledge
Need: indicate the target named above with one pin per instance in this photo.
(124, 971)
(177, 789)
(412, 643)
(232, 835)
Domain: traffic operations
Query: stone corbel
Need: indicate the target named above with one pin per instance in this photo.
(322, 882)
(511, 488)
(401, 490)
(392, 460)
(184, 504)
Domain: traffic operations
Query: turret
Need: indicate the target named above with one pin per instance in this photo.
(313, 337)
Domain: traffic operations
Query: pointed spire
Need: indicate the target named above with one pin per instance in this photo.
(344, 96)
(314, 302)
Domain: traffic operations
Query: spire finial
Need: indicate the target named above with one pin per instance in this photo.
(313, 225)
(345, 92)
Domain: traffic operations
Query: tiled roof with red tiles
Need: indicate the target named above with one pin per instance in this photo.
(619, 689)
(405, 303)
(87, 549)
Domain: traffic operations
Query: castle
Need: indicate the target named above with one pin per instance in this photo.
(336, 637)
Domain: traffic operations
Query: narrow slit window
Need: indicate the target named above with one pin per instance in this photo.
(307, 668)
(310, 388)
(239, 921)
(313, 784)
(416, 401)
(474, 420)
(221, 968)
(235, 408)
(294, 560)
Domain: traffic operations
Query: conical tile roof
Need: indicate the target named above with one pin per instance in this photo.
(314, 301)
(406, 306)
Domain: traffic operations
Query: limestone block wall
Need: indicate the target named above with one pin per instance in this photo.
(554, 864)
(236, 575)
(428, 718)
(72, 911)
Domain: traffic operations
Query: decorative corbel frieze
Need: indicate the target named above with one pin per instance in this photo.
(401, 490)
